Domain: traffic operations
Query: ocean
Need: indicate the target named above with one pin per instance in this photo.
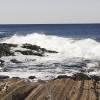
(78, 47)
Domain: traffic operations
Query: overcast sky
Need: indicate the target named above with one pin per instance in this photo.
(49, 11)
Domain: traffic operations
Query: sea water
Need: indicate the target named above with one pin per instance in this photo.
(78, 47)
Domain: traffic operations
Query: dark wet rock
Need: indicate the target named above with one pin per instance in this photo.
(16, 78)
(29, 52)
(87, 61)
(62, 76)
(37, 48)
(3, 77)
(8, 45)
(5, 49)
(15, 61)
(2, 61)
(90, 70)
(26, 52)
(41, 81)
(12, 45)
(81, 76)
(31, 47)
(82, 70)
(96, 78)
(50, 51)
(31, 77)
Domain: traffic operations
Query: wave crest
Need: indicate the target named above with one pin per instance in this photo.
(67, 47)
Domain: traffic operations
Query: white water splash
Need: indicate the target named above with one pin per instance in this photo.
(70, 52)
(67, 47)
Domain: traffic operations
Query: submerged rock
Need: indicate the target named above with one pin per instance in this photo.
(15, 61)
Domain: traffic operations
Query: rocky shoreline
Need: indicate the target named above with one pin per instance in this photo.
(77, 87)
(24, 49)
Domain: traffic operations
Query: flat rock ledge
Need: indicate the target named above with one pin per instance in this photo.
(78, 87)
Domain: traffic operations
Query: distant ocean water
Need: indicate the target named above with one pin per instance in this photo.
(63, 30)
(76, 44)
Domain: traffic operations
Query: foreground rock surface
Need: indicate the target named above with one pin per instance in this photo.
(62, 88)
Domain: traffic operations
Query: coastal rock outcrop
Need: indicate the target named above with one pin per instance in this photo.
(62, 88)
(37, 48)
(5, 50)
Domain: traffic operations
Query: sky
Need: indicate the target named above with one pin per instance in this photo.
(49, 11)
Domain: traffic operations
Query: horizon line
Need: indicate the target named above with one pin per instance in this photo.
(43, 23)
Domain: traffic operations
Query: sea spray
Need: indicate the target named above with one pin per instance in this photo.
(74, 55)
(67, 47)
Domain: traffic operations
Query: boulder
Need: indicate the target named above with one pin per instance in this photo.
(3, 77)
(31, 77)
(2, 61)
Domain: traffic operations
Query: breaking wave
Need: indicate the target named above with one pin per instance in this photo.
(74, 55)
(67, 47)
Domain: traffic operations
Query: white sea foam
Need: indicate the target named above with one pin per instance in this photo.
(67, 47)
(70, 52)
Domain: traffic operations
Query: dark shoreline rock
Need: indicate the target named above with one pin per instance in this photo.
(15, 78)
(5, 50)
(31, 77)
(80, 76)
(37, 48)
(4, 77)
(63, 76)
